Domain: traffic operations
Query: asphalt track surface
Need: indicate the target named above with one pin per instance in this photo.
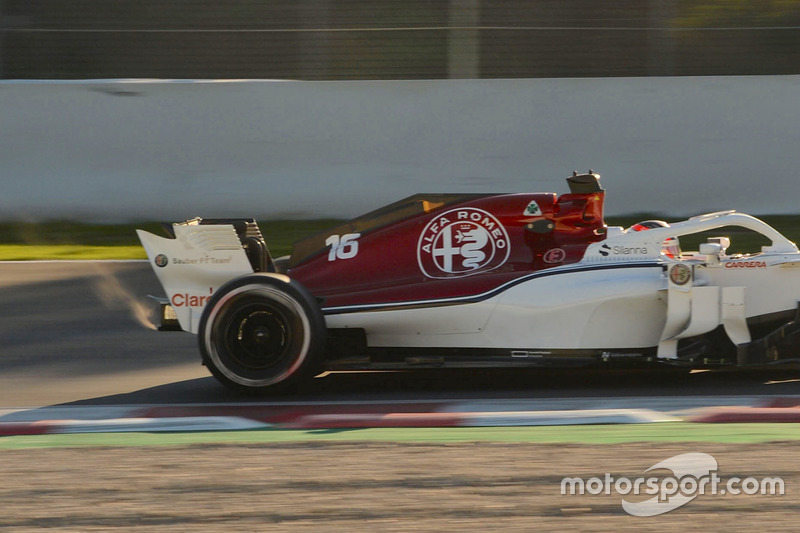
(82, 333)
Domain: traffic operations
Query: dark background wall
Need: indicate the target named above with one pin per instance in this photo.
(395, 39)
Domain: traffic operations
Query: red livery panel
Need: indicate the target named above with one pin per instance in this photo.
(428, 247)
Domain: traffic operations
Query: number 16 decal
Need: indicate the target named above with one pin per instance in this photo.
(344, 247)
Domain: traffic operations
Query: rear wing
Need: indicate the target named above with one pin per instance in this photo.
(199, 257)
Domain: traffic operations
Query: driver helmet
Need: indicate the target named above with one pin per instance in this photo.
(670, 247)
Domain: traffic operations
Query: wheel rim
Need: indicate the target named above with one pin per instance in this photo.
(259, 336)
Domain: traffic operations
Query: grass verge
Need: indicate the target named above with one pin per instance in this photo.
(24, 241)
(40, 252)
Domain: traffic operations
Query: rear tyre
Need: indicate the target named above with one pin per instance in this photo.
(262, 333)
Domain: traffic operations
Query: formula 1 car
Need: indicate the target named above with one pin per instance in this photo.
(478, 280)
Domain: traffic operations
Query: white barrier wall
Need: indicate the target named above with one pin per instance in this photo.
(121, 150)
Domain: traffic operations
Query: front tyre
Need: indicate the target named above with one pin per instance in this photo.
(261, 333)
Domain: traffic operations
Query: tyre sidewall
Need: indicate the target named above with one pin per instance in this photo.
(284, 293)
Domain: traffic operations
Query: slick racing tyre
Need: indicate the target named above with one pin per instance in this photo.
(262, 332)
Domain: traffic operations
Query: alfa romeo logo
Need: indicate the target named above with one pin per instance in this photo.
(680, 274)
(161, 260)
(462, 242)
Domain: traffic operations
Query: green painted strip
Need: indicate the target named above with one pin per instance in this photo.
(19, 252)
(584, 434)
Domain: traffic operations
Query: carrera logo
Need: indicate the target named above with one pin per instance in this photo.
(746, 264)
(462, 242)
